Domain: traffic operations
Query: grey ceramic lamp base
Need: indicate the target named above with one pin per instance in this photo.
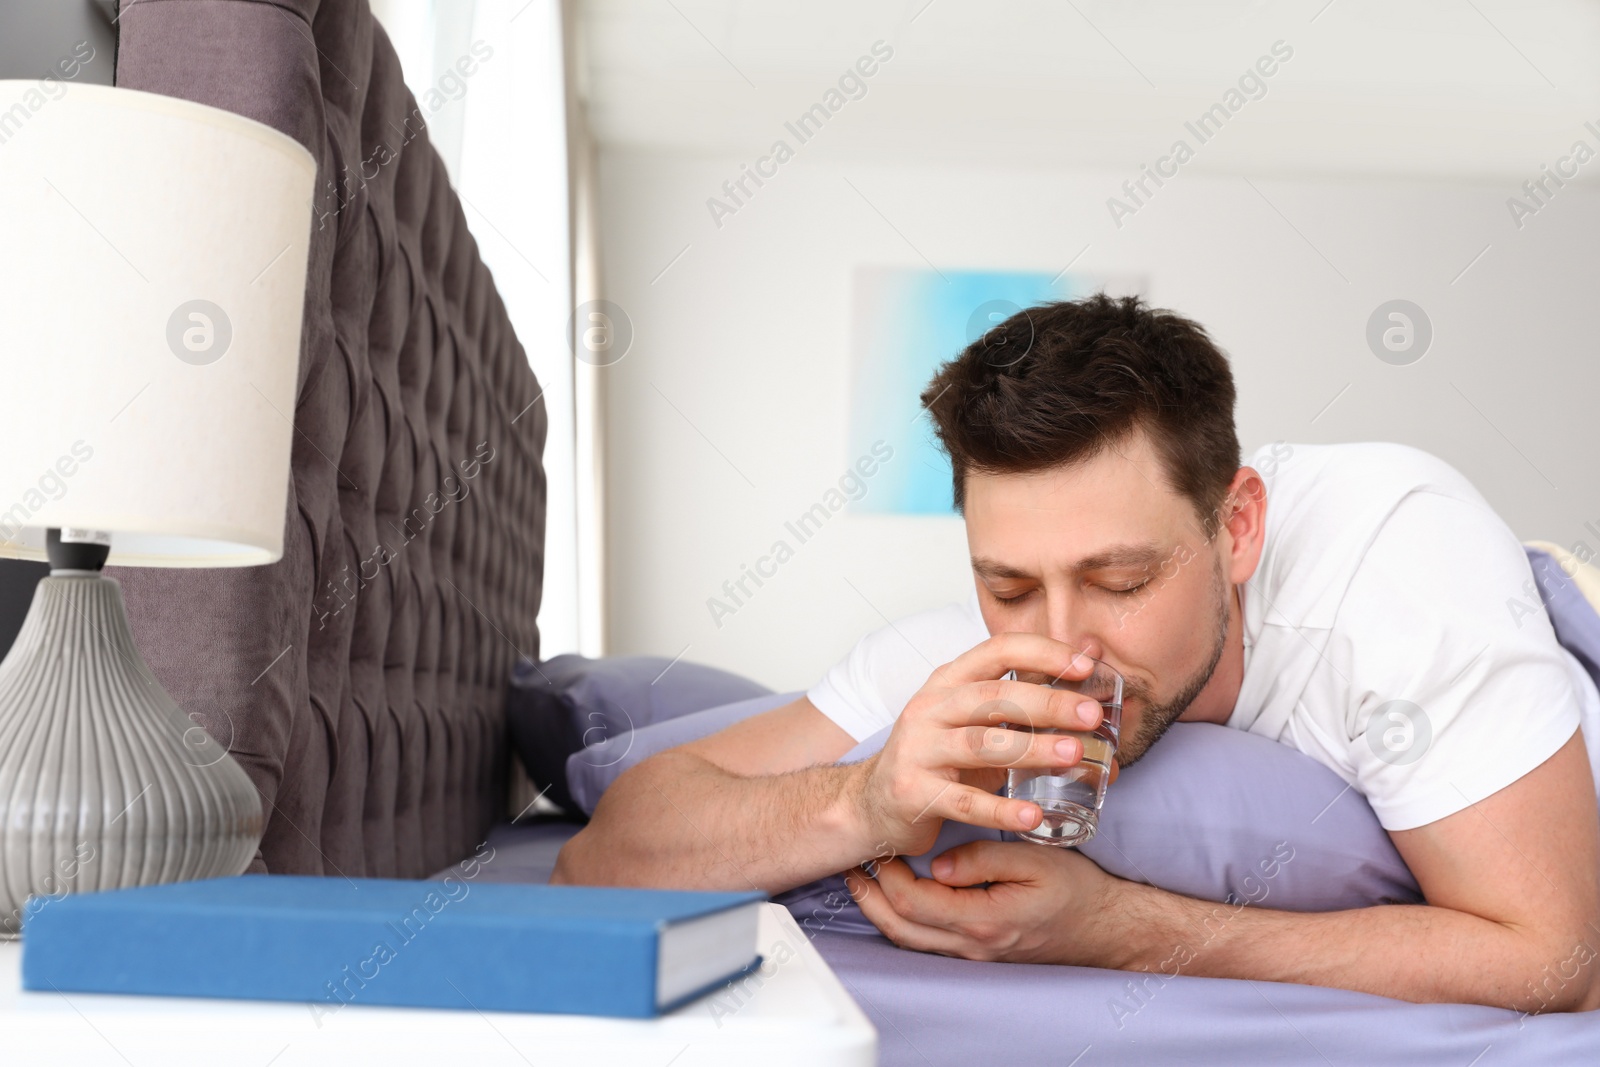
(104, 782)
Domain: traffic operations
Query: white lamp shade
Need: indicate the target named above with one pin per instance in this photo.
(152, 284)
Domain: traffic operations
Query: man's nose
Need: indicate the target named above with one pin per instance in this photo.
(1089, 646)
(1063, 621)
(1077, 640)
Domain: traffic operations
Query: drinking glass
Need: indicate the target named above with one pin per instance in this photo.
(1071, 797)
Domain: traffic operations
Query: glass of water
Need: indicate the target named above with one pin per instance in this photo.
(1071, 797)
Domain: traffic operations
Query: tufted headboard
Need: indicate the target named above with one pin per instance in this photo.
(360, 681)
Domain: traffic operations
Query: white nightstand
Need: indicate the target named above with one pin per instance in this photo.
(797, 1013)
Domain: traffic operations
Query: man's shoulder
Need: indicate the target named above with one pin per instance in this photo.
(1349, 467)
(866, 690)
(1325, 505)
(938, 634)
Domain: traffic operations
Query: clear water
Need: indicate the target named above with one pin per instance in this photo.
(1072, 796)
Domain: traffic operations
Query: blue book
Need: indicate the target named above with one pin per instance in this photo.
(332, 942)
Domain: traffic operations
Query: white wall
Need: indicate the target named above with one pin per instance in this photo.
(740, 367)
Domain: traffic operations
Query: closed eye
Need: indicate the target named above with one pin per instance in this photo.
(1114, 592)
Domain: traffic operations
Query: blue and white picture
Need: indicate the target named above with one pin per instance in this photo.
(907, 321)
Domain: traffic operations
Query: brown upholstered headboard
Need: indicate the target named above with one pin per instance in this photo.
(361, 680)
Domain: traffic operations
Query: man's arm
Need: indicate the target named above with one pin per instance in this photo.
(762, 805)
(759, 804)
(1512, 917)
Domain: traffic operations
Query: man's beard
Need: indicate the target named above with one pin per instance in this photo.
(1155, 718)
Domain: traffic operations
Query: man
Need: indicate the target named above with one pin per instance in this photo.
(1360, 618)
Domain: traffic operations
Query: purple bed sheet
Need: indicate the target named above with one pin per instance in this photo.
(938, 1010)
(932, 1009)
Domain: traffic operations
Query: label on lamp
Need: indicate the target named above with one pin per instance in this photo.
(70, 536)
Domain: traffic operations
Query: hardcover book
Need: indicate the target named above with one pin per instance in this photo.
(332, 942)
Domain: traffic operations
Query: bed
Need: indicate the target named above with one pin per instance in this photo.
(367, 702)
(1182, 819)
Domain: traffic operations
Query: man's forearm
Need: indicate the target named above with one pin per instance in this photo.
(1413, 952)
(679, 821)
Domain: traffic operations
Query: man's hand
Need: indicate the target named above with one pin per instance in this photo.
(948, 752)
(1512, 915)
(1043, 904)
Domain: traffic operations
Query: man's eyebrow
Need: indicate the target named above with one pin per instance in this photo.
(1126, 555)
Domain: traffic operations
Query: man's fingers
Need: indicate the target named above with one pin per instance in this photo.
(1115, 766)
(904, 932)
(968, 804)
(892, 874)
(988, 779)
(996, 746)
(925, 902)
(988, 861)
(999, 700)
(1017, 650)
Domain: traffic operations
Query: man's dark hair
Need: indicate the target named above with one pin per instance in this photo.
(1057, 384)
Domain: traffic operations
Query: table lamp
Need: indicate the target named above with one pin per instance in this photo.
(152, 283)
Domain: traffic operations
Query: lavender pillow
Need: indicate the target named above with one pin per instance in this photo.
(591, 769)
(1225, 815)
(560, 706)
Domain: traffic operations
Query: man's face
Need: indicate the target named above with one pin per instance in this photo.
(1105, 558)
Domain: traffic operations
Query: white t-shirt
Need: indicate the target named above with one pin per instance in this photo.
(1384, 586)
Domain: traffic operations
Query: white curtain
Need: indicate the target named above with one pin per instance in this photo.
(491, 79)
